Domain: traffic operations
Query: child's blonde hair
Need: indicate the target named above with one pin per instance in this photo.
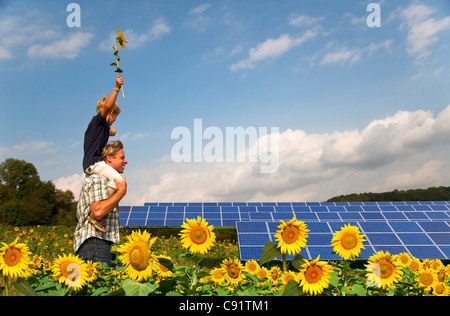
(115, 109)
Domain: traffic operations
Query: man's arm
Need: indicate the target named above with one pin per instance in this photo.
(102, 208)
(112, 97)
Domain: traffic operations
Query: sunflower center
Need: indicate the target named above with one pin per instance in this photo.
(198, 235)
(252, 267)
(233, 271)
(290, 234)
(313, 274)
(12, 257)
(349, 241)
(138, 258)
(426, 279)
(386, 269)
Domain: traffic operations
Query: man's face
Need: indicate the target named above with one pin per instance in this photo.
(117, 161)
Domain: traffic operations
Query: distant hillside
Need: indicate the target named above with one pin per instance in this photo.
(430, 194)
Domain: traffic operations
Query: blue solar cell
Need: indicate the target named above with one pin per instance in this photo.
(439, 207)
(421, 207)
(249, 253)
(437, 215)
(405, 208)
(174, 222)
(439, 227)
(157, 215)
(246, 227)
(416, 215)
(214, 222)
(253, 239)
(425, 252)
(212, 209)
(405, 227)
(375, 227)
(382, 239)
(372, 216)
(136, 222)
(175, 215)
(265, 209)
(155, 222)
(245, 216)
(229, 222)
(319, 239)
(196, 209)
(328, 216)
(353, 216)
(212, 215)
(354, 208)
(388, 208)
(371, 208)
(247, 208)
(306, 216)
(319, 209)
(175, 209)
(440, 238)
(261, 216)
(123, 221)
(138, 215)
(393, 250)
(318, 227)
(415, 239)
(324, 252)
(301, 209)
(283, 209)
(445, 250)
(230, 215)
(394, 215)
(157, 209)
(284, 216)
(230, 209)
(139, 209)
(124, 209)
(336, 209)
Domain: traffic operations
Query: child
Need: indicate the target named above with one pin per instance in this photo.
(96, 137)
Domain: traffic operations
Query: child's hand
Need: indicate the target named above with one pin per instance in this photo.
(112, 131)
(119, 81)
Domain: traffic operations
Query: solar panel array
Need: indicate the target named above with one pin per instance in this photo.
(421, 229)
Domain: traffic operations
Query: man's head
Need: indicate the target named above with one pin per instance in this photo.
(112, 115)
(114, 155)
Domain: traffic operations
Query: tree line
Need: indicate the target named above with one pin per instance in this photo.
(27, 200)
(431, 194)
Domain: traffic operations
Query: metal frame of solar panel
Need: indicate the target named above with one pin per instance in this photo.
(420, 228)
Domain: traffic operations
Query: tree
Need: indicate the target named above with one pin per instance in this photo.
(26, 200)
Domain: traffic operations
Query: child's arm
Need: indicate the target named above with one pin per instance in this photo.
(112, 97)
(112, 131)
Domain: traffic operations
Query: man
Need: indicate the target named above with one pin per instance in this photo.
(90, 243)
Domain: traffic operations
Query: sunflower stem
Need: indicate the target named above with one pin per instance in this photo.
(284, 262)
(6, 286)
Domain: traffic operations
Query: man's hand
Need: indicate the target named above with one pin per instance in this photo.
(121, 186)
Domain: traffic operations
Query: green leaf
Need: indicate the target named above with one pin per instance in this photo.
(358, 289)
(118, 70)
(292, 289)
(298, 262)
(167, 263)
(134, 288)
(270, 252)
(23, 287)
(113, 64)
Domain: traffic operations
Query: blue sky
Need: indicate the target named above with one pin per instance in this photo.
(334, 87)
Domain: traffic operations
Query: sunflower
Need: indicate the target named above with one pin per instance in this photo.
(348, 242)
(92, 271)
(70, 270)
(287, 276)
(252, 267)
(263, 273)
(232, 270)
(162, 270)
(415, 265)
(217, 276)
(427, 278)
(15, 260)
(121, 39)
(383, 270)
(440, 289)
(404, 259)
(274, 274)
(137, 256)
(197, 236)
(315, 276)
(291, 236)
(441, 273)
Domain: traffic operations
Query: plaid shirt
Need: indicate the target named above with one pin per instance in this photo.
(95, 188)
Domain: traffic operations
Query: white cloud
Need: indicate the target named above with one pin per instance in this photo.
(72, 183)
(345, 54)
(200, 9)
(405, 150)
(271, 49)
(422, 29)
(157, 30)
(66, 48)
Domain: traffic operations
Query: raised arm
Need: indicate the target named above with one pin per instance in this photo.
(112, 97)
(102, 208)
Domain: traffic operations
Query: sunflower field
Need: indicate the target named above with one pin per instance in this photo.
(39, 261)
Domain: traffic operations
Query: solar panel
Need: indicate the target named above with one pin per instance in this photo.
(421, 229)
